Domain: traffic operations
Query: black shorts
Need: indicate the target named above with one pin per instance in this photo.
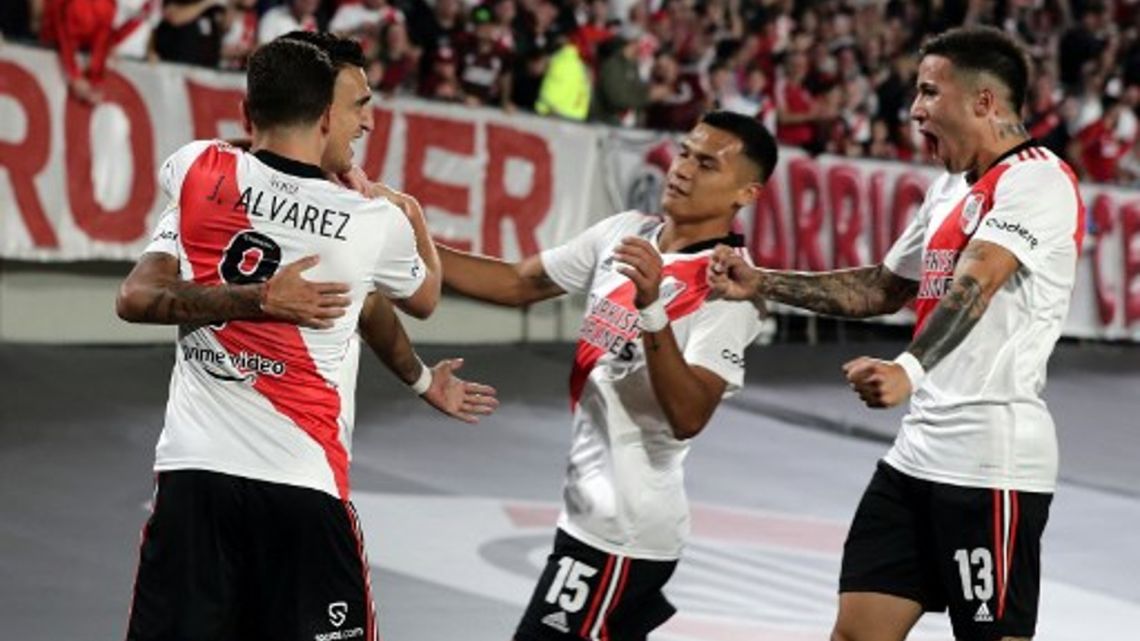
(585, 593)
(225, 558)
(974, 550)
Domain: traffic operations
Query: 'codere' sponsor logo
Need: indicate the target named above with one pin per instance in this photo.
(1013, 228)
(245, 362)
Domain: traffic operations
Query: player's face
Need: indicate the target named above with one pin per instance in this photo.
(350, 118)
(942, 109)
(708, 178)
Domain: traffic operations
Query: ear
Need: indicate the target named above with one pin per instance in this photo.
(985, 102)
(747, 194)
(326, 121)
(246, 123)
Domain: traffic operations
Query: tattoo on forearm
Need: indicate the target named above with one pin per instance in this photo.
(854, 293)
(950, 322)
(190, 303)
(651, 342)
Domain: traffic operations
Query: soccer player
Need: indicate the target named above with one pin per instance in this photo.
(954, 513)
(654, 360)
(252, 534)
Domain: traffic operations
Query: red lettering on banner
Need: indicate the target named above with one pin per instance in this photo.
(210, 107)
(378, 139)
(1130, 227)
(879, 233)
(804, 182)
(846, 215)
(426, 132)
(1103, 225)
(128, 223)
(910, 191)
(27, 158)
(768, 225)
(527, 211)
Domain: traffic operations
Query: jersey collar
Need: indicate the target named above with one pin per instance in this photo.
(732, 240)
(288, 165)
(1016, 149)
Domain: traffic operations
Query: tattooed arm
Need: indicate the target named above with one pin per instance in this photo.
(155, 293)
(495, 281)
(851, 293)
(983, 268)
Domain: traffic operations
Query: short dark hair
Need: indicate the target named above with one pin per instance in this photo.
(288, 83)
(984, 49)
(757, 143)
(344, 52)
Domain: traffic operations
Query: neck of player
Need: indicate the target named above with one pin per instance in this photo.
(302, 145)
(1002, 135)
(677, 234)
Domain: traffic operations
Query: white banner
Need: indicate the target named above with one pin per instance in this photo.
(830, 213)
(78, 183)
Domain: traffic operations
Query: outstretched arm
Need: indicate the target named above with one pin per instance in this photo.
(381, 328)
(851, 293)
(496, 281)
(155, 293)
(981, 271)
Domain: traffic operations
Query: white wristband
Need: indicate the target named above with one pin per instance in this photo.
(423, 382)
(653, 317)
(914, 370)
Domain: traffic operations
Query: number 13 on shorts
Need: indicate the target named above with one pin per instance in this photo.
(569, 588)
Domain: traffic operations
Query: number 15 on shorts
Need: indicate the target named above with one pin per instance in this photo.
(569, 588)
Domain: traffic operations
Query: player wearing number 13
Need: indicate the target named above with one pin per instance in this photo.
(252, 534)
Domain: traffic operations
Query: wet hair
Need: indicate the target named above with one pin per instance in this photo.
(756, 142)
(288, 83)
(343, 52)
(984, 50)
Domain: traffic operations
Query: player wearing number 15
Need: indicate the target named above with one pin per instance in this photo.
(252, 534)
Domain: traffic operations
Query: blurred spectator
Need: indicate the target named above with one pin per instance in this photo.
(80, 25)
(592, 31)
(1105, 142)
(799, 112)
(683, 100)
(364, 20)
(565, 90)
(191, 32)
(294, 15)
(484, 65)
(16, 19)
(399, 61)
(526, 79)
(1083, 44)
(442, 80)
(1045, 122)
(135, 22)
(241, 33)
(620, 92)
(882, 145)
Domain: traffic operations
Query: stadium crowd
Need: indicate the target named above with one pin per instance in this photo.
(831, 76)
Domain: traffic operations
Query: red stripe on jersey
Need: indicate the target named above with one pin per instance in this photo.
(1079, 232)
(940, 257)
(599, 591)
(690, 273)
(209, 222)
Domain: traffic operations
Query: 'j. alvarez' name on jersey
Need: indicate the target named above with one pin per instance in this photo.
(937, 272)
(611, 326)
(328, 223)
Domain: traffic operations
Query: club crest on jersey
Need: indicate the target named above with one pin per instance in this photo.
(972, 212)
(670, 288)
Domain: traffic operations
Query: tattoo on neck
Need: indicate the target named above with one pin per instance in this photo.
(1010, 130)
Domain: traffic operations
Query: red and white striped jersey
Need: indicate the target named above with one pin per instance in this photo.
(267, 400)
(978, 419)
(624, 491)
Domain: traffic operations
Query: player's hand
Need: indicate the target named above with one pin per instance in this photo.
(731, 277)
(289, 297)
(642, 265)
(459, 399)
(357, 180)
(879, 383)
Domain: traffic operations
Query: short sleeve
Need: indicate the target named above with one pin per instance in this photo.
(173, 170)
(1035, 210)
(718, 338)
(399, 270)
(164, 240)
(571, 265)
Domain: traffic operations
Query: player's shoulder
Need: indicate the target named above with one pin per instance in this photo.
(193, 149)
(1037, 168)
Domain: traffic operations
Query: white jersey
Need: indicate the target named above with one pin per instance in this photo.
(624, 491)
(268, 400)
(978, 419)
